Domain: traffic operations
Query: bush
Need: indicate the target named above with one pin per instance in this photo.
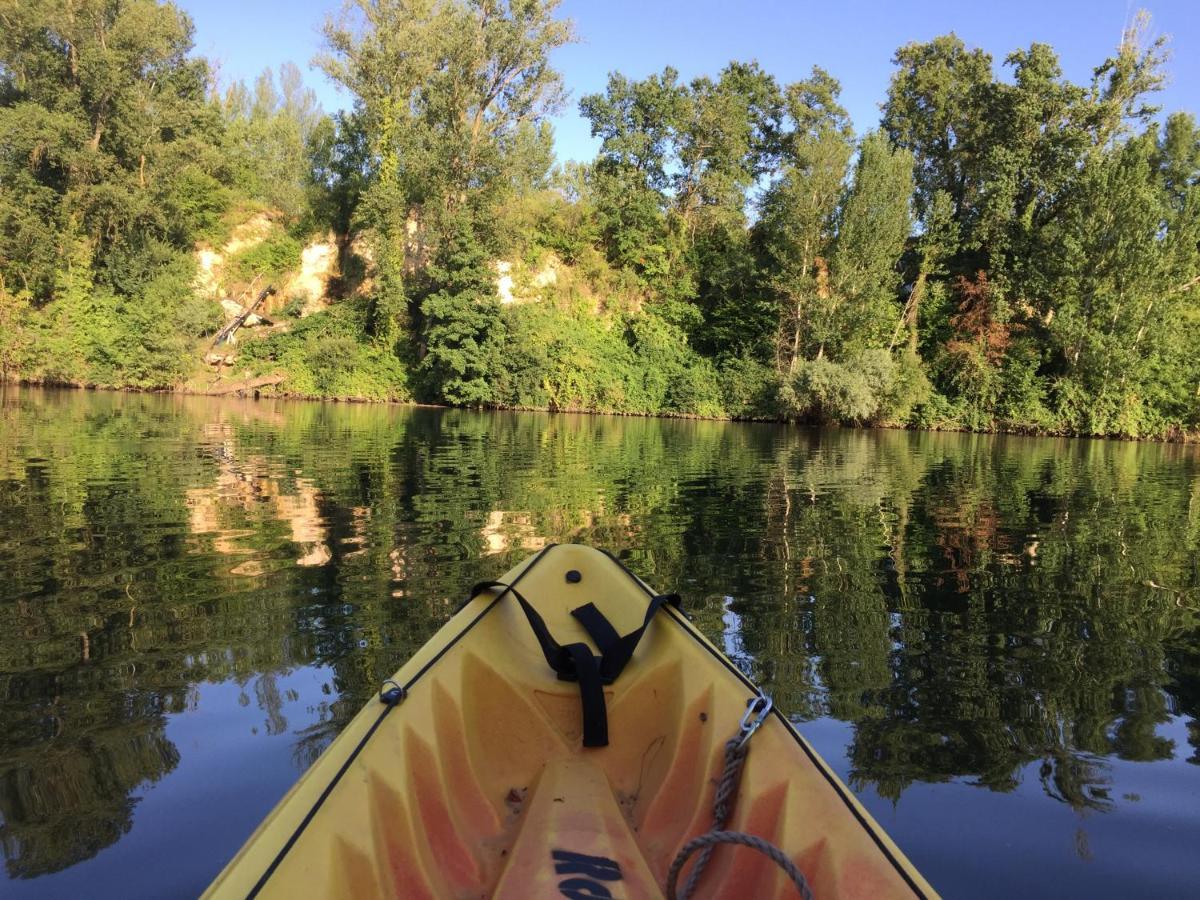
(868, 387)
(271, 257)
(293, 308)
(570, 358)
(749, 388)
(194, 206)
(97, 335)
(827, 390)
(910, 391)
(675, 378)
(325, 355)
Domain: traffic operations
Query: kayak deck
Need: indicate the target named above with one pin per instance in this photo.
(477, 783)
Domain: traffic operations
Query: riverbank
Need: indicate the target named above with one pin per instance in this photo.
(268, 388)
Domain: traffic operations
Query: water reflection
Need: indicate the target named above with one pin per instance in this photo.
(248, 488)
(1015, 615)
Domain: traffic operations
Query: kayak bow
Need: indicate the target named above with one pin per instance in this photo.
(563, 735)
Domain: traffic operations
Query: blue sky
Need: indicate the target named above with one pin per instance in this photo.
(853, 39)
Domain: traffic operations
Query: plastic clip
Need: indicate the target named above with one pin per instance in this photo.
(393, 695)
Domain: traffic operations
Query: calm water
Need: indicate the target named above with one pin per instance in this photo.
(995, 641)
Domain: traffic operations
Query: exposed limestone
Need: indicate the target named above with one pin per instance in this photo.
(210, 263)
(206, 283)
(250, 233)
(233, 309)
(318, 264)
(504, 281)
(513, 286)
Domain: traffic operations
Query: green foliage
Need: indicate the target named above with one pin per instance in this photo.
(910, 388)
(442, 94)
(323, 355)
(16, 341)
(293, 308)
(463, 329)
(1009, 251)
(279, 252)
(675, 379)
(94, 335)
(853, 392)
(270, 136)
(567, 358)
(749, 388)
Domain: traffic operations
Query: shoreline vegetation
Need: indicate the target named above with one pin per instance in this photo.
(250, 391)
(1004, 251)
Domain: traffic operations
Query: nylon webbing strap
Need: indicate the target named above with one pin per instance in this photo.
(576, 662)
(615, 650)
(591, 695)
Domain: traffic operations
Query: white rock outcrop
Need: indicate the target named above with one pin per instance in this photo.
(318, 264)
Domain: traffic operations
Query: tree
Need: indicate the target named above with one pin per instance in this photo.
(798, 215)
(270, 135)
(14, 335)
(110, 168)
(636, 122)
(936, 107)
(727, 138)
(463, 329)
(445, 94)
(873, 224)
(1124, 275)
(441, 89)
(106, 125)
(727, 142)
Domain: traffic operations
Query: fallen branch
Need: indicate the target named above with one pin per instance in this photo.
(239, 387)
(226, 333)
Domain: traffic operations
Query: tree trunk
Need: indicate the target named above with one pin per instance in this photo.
(914, 312)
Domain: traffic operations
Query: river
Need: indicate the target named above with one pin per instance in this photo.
(994, 640)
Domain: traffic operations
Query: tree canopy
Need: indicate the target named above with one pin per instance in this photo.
(1008, 249)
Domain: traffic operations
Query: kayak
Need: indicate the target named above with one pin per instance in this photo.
(567, 733)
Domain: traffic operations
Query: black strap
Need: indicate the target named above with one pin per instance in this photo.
(591, 695)
(615, 650)
(576, 662)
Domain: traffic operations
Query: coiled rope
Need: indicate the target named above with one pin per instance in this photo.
(736, 750)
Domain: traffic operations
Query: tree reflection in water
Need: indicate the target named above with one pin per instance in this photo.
(973, 606)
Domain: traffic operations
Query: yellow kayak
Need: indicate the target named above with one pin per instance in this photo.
(566, 734)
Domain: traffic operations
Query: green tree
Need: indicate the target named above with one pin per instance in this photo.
(1125, 278)
(445, 95)
(442, 89)
(798, 215)
(269, 136)
(935, 108)
(110, 167)
(636, 121)
(464, 333)
(873, 224)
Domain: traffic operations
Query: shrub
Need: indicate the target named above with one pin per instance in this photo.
(866, 388)
(828, 390)
(911, 388)
(676, 379)
(749, 388)
(325, 355)
(276, 254)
